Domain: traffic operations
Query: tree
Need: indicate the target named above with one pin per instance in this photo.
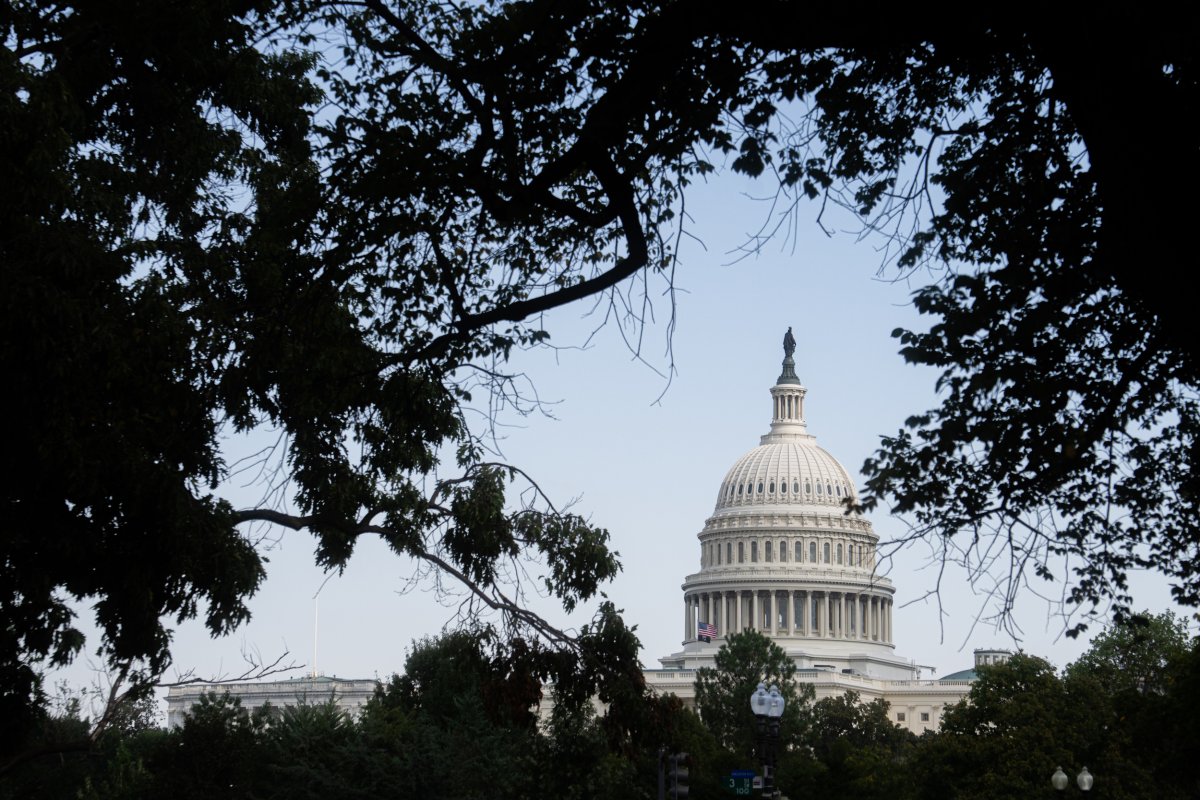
(852, 750)
(193, 248)
(984, 150)
(174, 269)
(1143, 670)
(723, 692)
(1007, 736)
(1136, 655)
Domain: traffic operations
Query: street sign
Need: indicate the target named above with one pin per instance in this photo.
(740, 782)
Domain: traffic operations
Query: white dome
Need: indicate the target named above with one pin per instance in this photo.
(796, 472)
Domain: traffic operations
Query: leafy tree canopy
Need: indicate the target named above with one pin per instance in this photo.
(723, 691)
(338, 220)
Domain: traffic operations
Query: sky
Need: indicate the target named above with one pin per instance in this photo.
(644, 457)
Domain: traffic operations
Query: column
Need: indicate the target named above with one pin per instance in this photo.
(845, 619)
(737, 609)
(870, 610)
(686, 616)
(889, 621)
(722, 615)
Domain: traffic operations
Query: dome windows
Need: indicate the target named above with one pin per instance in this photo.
(772, 487)
(760, 487)
(783, 486)
(807, 487)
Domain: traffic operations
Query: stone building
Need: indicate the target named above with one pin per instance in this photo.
(349, 695)
(780, 555)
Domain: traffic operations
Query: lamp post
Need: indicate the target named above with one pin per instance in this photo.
(1083, 780)
(767, 706)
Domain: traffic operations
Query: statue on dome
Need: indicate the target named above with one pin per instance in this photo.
(789, 343)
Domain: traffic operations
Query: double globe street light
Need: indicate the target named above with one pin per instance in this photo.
(767, 706)
(1083, 780)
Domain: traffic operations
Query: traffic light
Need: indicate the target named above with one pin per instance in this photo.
(678, 764)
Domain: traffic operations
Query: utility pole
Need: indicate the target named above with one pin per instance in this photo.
(315, 618)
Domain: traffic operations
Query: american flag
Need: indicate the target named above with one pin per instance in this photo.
(706, 631)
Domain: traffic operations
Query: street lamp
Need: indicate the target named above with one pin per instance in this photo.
(767, 705)
(1083, 780)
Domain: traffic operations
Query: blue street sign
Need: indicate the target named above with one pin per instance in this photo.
(740, 782)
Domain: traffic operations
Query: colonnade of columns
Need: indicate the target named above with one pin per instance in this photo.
(794, 612)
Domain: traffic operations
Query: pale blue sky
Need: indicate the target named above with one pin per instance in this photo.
(648, 469)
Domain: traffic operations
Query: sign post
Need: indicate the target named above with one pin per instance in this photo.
(740, 782)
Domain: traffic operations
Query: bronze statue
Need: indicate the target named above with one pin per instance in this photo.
(789, 343)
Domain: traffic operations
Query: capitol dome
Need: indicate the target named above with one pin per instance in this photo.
(785, 553)
(788, 474)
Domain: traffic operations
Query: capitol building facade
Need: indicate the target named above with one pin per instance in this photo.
(780, 554)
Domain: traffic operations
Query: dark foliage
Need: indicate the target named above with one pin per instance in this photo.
(337, 221)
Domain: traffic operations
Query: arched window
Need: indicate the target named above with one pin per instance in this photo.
(828, 490)
(767, 552)
(760, 487)
(839, 554)
(772, 487)
(739, 488)
(799, 550)
(796, 487)
(826, 552)
(839, 490)
(783, 551)
(783, 486)
(812, 552)
(729, 552)
(741, 553)
(754, 552)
